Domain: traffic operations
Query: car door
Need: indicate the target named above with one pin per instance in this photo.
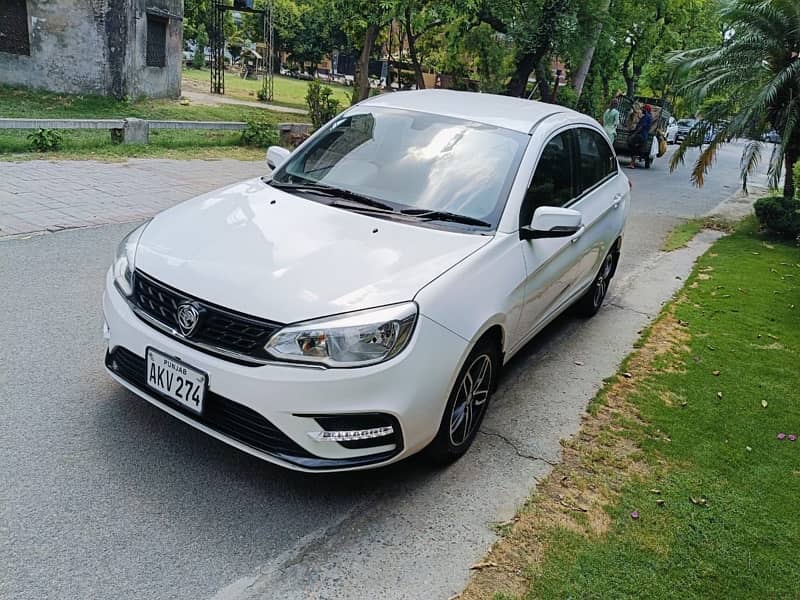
(548, 261)
(602, 193)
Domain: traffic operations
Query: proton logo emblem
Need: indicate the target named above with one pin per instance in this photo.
(188, 318)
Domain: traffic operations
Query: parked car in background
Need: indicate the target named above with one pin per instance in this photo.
(357, 305)
(710, 130)
(678, 131)
(771, 136)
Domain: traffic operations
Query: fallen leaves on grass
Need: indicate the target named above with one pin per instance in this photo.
(764, 404)
(587, 479)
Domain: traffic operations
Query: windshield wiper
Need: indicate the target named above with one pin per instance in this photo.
(438, 215)
(319, 188)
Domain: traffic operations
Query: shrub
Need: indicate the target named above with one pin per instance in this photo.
(259, 133)
(321, 107)
(780, 215)
(199, 58)
(567, 96)
(45, 140)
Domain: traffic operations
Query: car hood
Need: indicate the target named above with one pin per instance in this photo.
(261, 251)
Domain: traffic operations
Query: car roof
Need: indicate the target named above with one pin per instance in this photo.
(491, 109)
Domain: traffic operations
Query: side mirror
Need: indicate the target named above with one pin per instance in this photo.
(276, 156)
(552, 222)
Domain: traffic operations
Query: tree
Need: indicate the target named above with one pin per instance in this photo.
(420, 18)
(596, 24)
(757, 72)
(362, 23)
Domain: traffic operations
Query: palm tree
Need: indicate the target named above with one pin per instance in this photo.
(757, 70)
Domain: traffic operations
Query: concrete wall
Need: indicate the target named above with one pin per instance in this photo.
(67, 48)
(97, 47)
(155, 81)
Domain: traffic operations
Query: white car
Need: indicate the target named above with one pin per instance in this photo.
(678, 130)
(357, 305)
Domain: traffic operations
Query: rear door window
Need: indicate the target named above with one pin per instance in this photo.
(552, 183)
(596, 159)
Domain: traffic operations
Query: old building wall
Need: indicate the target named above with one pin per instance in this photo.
(67, 48)
(148, 80)
(95, 46)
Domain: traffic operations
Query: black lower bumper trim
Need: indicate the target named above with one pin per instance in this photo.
(236, 421)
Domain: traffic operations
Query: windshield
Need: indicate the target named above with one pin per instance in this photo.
(686, 122)
(413, 160)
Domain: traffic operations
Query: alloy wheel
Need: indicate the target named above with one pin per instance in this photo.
(470, 402)
(603, 278)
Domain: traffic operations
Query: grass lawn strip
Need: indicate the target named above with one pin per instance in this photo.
(97, 144)
(287, 90)
(677, 484)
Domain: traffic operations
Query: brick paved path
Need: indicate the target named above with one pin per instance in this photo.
(43, 195)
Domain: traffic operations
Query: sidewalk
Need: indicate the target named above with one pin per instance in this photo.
(37, 196)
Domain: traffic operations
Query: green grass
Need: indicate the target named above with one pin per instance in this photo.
(682, 234)
(741, 308)
(15, 102)
(287, 91)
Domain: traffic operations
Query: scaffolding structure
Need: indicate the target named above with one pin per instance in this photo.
(219, 7)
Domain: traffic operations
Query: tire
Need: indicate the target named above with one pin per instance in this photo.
(647, 162)
(591, 301)
(460, 423)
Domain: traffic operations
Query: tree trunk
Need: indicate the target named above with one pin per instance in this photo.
(412, 50)
(790, 157)
(579, 78)
(541, 80)
(362, 67)
(626, 73)
(524, 68)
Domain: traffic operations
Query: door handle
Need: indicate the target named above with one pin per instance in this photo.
(616, 199)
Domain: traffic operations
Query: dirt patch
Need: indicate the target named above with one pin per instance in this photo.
(595, 464)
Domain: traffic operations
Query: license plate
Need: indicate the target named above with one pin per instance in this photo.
(176, 380)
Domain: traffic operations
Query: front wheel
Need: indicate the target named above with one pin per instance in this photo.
(591, 301)
(466, 405)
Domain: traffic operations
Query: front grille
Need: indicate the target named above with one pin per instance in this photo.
(219, 328)
(235, 420)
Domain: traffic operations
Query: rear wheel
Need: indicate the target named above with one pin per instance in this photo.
(466, 405)
(592, 300)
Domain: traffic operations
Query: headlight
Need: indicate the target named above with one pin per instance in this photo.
(353, 339)
(123, 261)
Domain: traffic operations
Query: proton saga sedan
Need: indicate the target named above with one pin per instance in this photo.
(356, 305)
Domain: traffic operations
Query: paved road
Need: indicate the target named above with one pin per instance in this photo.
(103, 496)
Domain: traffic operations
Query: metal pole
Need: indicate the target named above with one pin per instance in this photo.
(270, 31)
(217, 48)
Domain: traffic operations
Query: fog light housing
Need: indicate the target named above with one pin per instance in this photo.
(353, 435)
(358, 430)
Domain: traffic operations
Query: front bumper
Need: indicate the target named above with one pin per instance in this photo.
(269, 410)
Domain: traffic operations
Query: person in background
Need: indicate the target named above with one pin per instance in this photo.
(611, 119)
(641, 135)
